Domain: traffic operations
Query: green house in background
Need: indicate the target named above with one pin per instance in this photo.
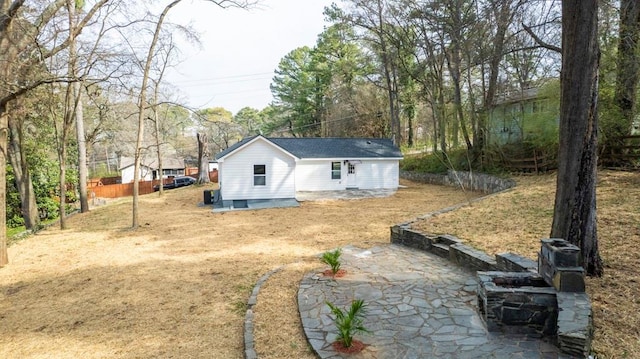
(529, 115)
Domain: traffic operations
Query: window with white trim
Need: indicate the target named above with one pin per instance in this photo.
(259, 175)
(336, 170)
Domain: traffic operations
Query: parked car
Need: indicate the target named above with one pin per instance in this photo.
(177, 182)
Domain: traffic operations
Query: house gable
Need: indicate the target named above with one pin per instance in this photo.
(239, 146)
(257, 170)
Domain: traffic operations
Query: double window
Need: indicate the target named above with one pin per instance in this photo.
(259, 175)
(336, 170)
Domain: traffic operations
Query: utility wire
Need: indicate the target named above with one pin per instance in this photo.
(234, 78)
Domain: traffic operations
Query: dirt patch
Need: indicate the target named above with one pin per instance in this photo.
(356, 347)
(338, 274)
(515, 221)
(178, 285)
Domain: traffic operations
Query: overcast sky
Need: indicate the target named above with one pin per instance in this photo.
(240, 49)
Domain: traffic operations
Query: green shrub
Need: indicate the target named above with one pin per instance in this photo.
(437, 162)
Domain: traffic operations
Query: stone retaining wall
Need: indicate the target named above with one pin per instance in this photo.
(451, 248)
(575, 323)
(468, 180)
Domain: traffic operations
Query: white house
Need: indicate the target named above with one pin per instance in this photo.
(259, 168)
(171, 166)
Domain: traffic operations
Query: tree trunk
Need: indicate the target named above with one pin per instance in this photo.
(22, 175)
(410, 111)
(442, 118)
(574, 216)
(4, 258)
(156, 124)
(67, 118)
(82, 148)
(457, 99)
(203, 159)
(390, 77)
(63, 136)
(62, 158)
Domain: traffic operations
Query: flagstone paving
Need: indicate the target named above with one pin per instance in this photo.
(418, 306)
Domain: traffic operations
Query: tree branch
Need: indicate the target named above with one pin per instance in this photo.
(540, 41)
(24, 89)
(5, 19)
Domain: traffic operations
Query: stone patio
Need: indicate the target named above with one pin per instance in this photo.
(419, 306)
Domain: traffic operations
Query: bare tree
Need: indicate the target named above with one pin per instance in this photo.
(574, 217)
(503, 13)
(14, 42)
(142, 97)
(203, 158)
(156, 118)
(78, 111)
(21, 171)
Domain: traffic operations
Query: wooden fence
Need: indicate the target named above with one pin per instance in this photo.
(625, 153)
(103, 181)
(97, 189)
(121, 190)
(540, 162)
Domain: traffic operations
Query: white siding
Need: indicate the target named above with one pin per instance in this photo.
(126, 174)
(378, 174)
(236, 173)
(315, 175)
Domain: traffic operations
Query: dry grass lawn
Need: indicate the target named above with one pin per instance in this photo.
(177, 286)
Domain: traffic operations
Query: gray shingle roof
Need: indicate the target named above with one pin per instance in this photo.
(315, 147)
(234, 147)
(152, 162)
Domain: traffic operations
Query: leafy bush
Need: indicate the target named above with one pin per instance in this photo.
(437, 162)
(349, 323)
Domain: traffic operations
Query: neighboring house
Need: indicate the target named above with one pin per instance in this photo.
(171, 167)
(523, 115)
(259, 168)
(213, 165)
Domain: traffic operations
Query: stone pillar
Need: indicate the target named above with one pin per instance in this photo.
(559, 263)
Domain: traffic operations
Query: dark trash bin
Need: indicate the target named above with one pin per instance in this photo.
(208, 196)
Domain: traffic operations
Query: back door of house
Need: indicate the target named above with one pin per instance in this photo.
(351, 176)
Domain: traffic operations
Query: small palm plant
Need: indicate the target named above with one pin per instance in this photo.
(332, 259)
(349, 323)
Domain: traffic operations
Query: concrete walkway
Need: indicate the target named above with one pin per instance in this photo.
(418, 306)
